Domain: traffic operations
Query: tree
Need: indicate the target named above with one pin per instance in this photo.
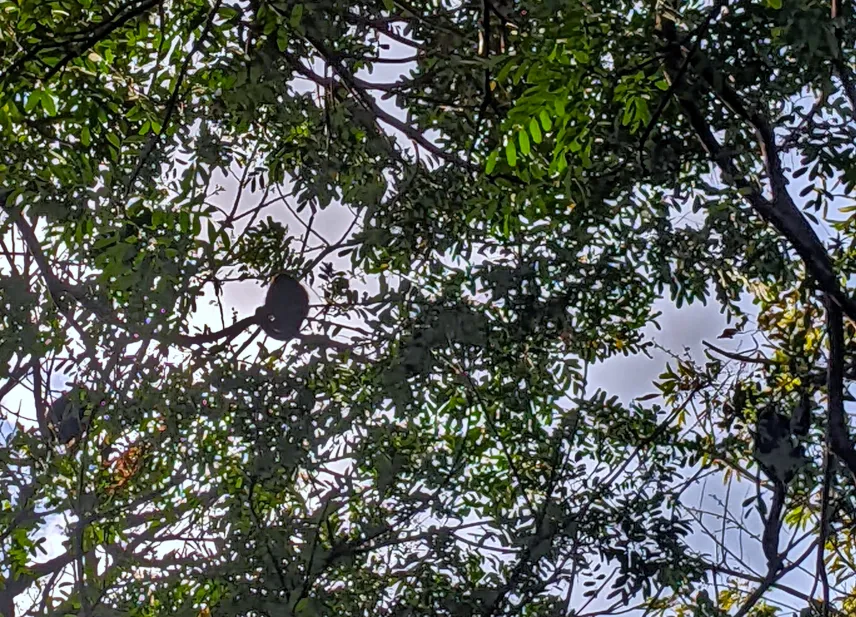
(430, 443)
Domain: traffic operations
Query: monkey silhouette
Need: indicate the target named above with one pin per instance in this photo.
(285, 308)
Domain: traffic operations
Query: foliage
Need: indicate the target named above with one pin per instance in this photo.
(485, 200)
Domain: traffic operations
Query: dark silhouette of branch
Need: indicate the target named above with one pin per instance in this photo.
(719, 569)
(741, 358)
(154, 137)
(781, 212)
(770, 580)
(13, 379)
(837, 427)
(83, 40)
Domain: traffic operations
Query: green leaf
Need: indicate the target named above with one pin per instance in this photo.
(546, 122)
(32, 100)
(774, 4)
(114, 139)
(518, 74)
(510, 153)
(85, 136)
(227, 12)
(491, 162)
(627, 117)
(48, 104)
(641, 110)
(523, 137)
(296, 15)
(505, 70)
(535, 129)
(389, 5)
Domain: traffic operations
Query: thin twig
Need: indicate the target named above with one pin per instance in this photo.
(741, 358)
(173, 100)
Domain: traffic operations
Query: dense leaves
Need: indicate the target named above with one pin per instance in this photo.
(486, 201)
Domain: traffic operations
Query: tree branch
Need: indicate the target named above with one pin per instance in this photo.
(154, 138)
(839, 432)
(741, 358)
(781, 212)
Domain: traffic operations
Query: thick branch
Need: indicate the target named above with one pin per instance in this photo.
(781, 212)
(740, 357)
(839, 433)
(842, 69)
(719, 569)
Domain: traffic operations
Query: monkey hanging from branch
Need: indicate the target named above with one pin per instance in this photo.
(285, 308)
(780, 455)
(281, 317)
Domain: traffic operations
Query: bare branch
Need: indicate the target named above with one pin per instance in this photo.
(837, 427)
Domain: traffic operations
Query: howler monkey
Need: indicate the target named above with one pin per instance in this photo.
(285, 308)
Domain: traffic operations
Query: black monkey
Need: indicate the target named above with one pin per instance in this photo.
(780, 456)
(285, 309)
(776, 447)
(67, 417)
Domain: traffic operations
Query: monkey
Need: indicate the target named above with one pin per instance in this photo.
(776, 447)
(777, 439)
(780, 456)
(67, 417)
(801, 418)
(285, 308)
(281, 317)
